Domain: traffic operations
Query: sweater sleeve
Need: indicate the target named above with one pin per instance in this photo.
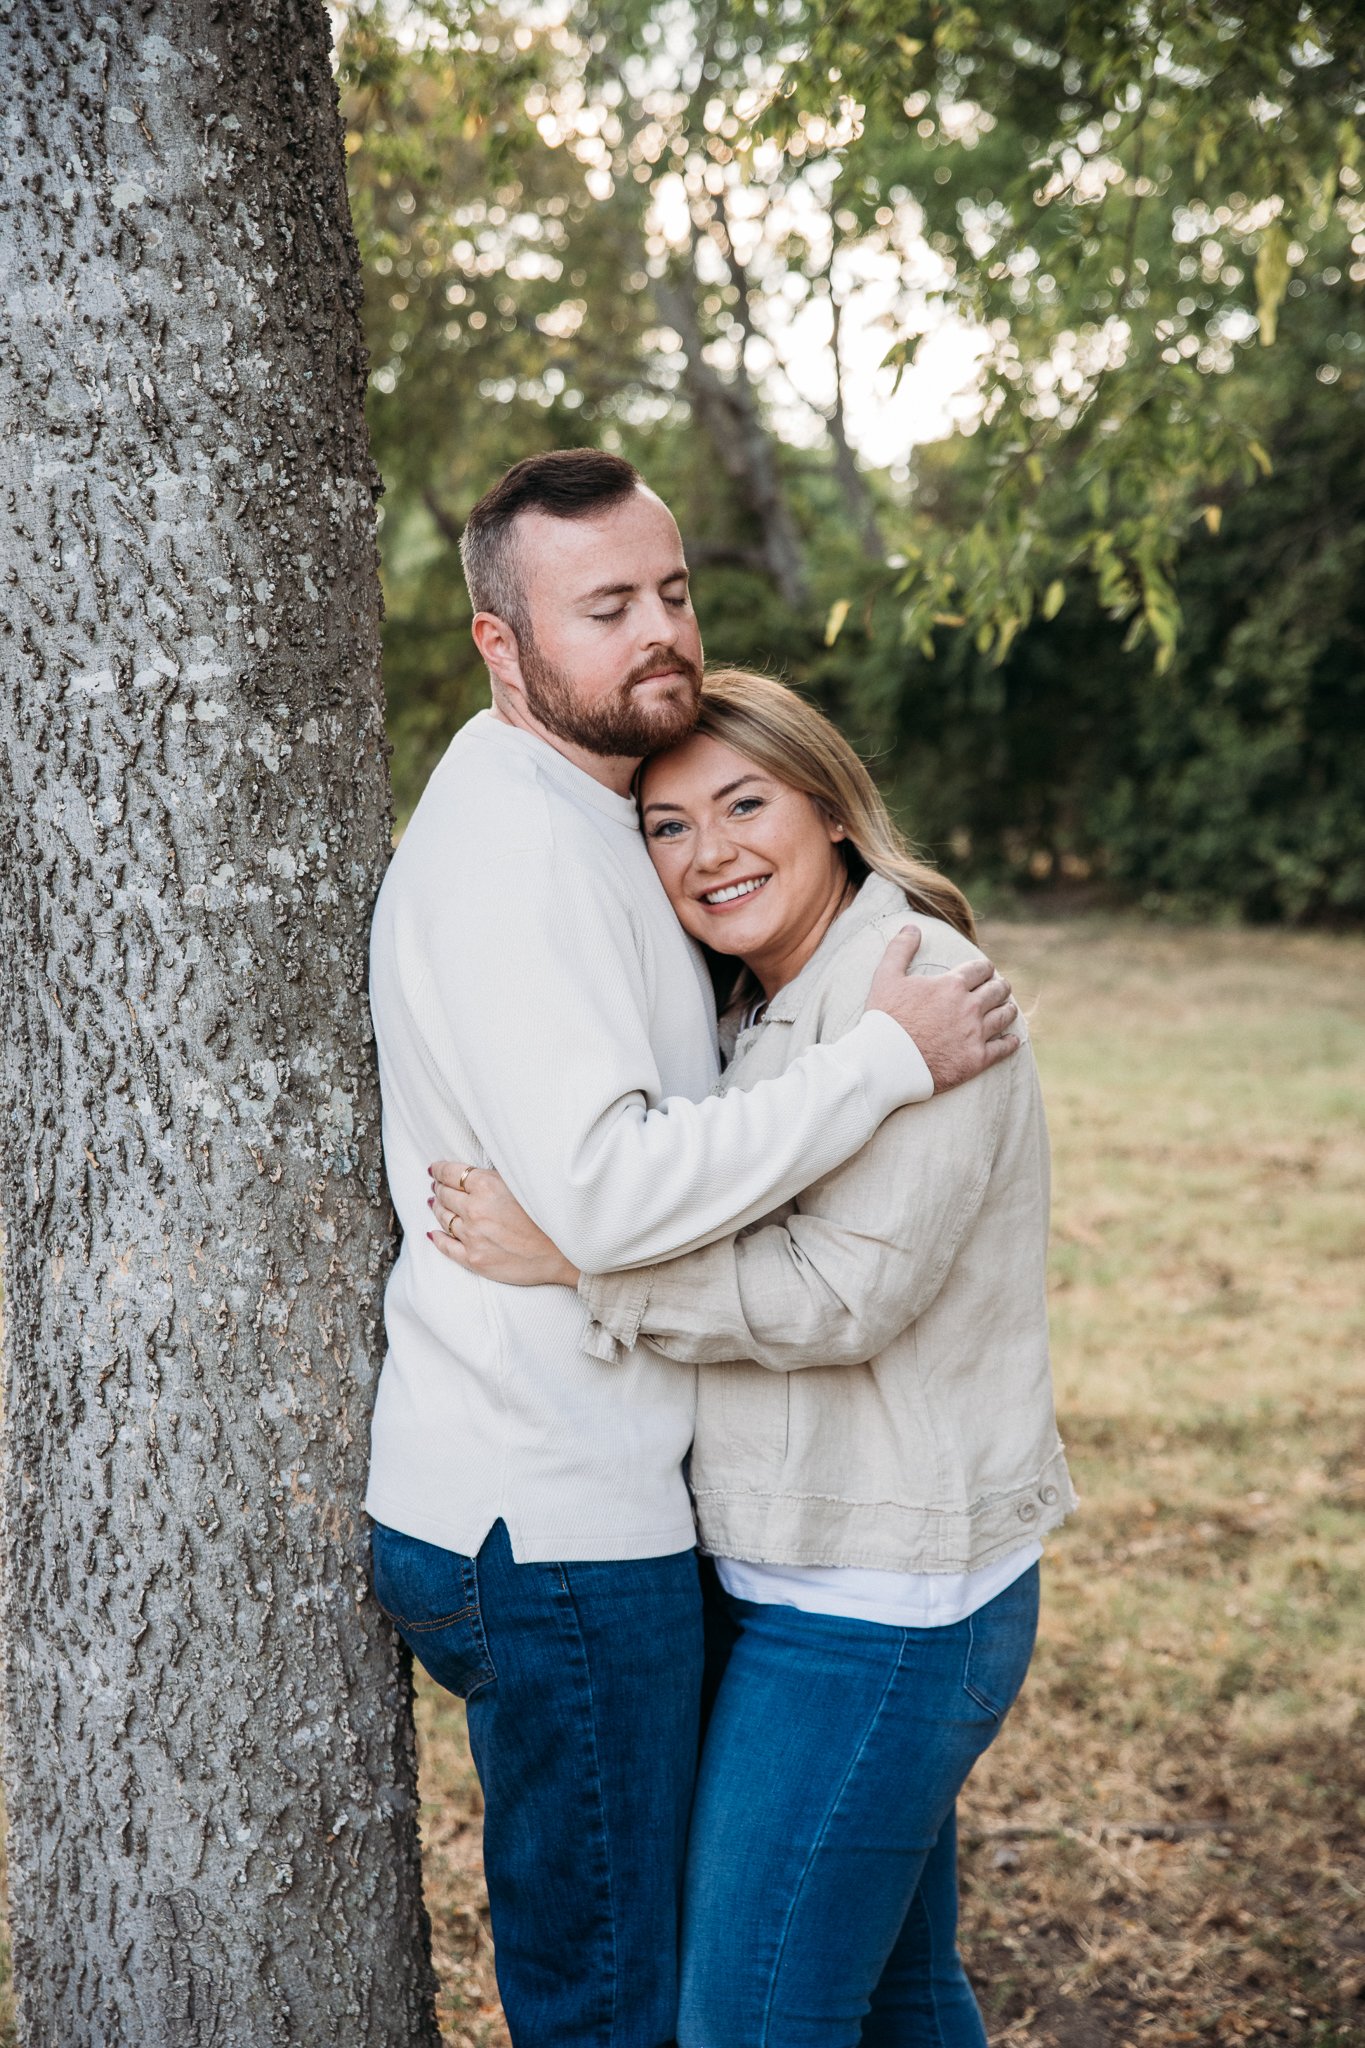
(861, 1257)
(536, 1000)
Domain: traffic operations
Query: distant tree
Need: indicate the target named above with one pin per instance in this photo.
(564, 243)
(1149, 224)
(1234, 781)
(1127, 200)
(209, 1758)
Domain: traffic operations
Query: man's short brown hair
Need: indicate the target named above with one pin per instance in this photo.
(567, 483)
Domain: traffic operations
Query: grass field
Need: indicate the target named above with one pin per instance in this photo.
(1168, 1843)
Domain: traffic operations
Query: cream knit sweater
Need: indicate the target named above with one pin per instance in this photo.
(538, 1009)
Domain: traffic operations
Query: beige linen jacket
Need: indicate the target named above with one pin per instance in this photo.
(875, 1387)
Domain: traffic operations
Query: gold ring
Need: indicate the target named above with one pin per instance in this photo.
(463, 1178)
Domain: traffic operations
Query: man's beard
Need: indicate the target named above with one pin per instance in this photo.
(619, 724)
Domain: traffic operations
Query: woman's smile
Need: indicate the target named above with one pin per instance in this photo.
(733, 893)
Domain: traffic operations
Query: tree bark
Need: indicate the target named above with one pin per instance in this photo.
(726, 410)
(858, 500)
(210, 1761)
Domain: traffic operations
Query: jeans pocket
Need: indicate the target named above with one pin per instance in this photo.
(999, 1645)
(432, 1598)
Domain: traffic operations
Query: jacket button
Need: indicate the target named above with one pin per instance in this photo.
(1027, 1511)
(1048, 1496)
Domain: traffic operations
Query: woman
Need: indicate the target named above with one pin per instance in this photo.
(876, 1456)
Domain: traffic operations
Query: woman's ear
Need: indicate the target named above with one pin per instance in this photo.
(834, 826)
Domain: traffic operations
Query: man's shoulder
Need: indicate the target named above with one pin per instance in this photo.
(489, 808)
(482, 794)
(497, 838)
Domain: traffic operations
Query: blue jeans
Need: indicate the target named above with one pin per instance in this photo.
(820, 1906)
(582, 1683)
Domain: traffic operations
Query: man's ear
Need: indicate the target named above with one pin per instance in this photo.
(497, 644)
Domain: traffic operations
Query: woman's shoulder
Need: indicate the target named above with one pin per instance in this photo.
(832, 999)
(942, 946)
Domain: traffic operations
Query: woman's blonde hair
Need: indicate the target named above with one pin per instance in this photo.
(779, 731)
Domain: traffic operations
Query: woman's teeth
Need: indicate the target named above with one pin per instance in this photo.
(734, 891)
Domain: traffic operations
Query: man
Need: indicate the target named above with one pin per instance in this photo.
(537, 1008)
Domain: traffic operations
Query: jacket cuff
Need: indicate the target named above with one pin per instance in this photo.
(616, 1304)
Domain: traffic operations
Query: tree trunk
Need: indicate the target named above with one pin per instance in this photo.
(726, 410)
(210, 1761)
(858, 500)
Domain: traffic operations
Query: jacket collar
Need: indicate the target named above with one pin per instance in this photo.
(875, 899)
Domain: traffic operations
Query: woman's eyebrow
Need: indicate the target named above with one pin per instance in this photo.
(716, 795)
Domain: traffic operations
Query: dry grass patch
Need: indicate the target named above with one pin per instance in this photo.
(1166, 1844)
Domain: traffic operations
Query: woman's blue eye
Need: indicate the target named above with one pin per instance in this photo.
(743, 804)
(667, 830)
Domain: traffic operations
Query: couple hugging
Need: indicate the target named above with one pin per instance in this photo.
(793, 1310)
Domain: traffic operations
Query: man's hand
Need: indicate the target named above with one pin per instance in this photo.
(960, 1021)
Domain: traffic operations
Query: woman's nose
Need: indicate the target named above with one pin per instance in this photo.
(715, 849)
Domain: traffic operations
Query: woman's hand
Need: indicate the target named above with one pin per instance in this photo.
(485, 1229)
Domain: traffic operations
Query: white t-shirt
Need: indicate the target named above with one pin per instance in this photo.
(896, 1599)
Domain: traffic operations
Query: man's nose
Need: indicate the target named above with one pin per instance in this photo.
(658, 623)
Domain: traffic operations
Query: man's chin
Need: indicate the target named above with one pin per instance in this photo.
(647, 723)
(672, 715)
(643, 718)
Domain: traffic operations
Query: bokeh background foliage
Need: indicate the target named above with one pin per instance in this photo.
(1103, 631)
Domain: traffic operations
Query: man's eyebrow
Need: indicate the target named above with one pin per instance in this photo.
(716, 795)
(602, 590)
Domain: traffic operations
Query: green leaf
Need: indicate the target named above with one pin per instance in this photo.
(834, 624)
(1054, 597)
(1206, 154)
(1272, 279)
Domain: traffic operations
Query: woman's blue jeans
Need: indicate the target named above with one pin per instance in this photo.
(820, 1901)
(583, 1684)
